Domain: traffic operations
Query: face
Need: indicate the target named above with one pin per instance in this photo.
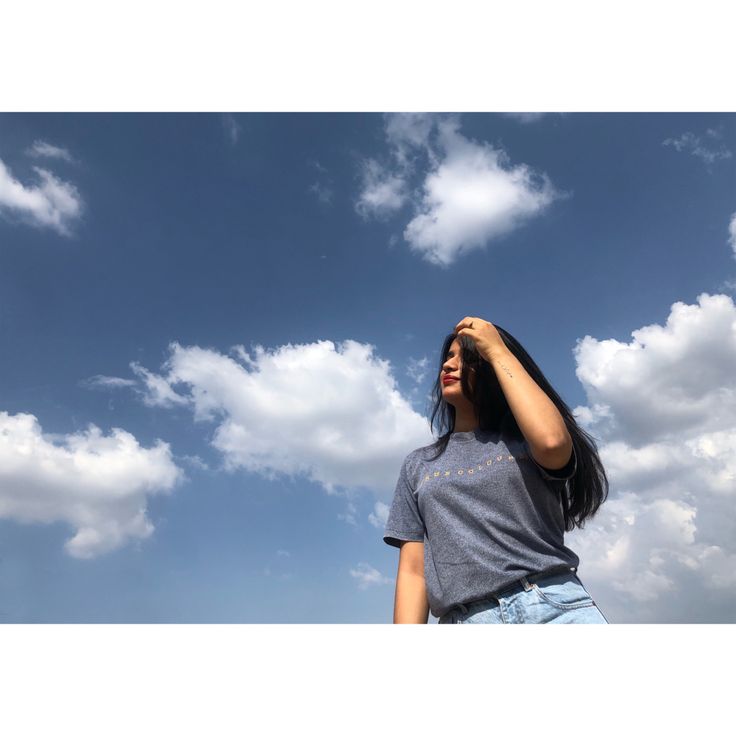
(452, 391)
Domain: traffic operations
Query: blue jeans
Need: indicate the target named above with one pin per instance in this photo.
(559, 598)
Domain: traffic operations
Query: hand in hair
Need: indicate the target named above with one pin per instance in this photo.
(487, 340)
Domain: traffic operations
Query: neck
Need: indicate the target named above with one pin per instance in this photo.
(465, 419)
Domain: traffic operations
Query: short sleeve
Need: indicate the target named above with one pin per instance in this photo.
(564, 473)
(404, 518)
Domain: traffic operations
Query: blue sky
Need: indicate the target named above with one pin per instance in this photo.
(248, 310)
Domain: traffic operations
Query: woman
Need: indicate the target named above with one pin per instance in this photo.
(480, 515)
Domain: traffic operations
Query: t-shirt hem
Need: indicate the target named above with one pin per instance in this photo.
(550, 570)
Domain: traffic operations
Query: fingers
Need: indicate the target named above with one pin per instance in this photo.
(468, 323)
(464, 322)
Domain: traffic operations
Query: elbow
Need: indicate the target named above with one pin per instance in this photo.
(560, 442)
(556, 454)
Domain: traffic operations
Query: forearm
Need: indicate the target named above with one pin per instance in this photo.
(538, 418)
(410, 603)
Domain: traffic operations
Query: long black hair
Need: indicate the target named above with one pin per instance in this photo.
(587, 489)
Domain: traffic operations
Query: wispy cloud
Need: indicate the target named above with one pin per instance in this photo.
(470, 194)
(323, 188)
(349, 515)
(317, 165)
(706, 150)
(42, 149)
(367, 576)
(382, 193)
(195, 461)
(152, 389)
(379, 516)
(97, 484)
(157, 390)
(51, 203)
(324, 193)
(417, 368)
(104, 383)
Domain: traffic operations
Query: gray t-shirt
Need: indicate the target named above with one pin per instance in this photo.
(487, 512)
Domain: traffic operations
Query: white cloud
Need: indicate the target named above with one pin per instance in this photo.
(693, 144)
(332, 414)
(97, 484)
(42, 149)
(407, 133)
(368, 576)
(663, 547)
(195, 461)
(51, 203)
(157, 391)
(379, 516)
(471, 198)
(382, 193)
(470, 193)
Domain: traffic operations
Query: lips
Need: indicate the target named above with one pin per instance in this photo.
(449, 380)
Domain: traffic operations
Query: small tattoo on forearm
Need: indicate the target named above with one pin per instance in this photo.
(508, 370)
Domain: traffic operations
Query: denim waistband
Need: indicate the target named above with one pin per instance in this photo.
(517, 586)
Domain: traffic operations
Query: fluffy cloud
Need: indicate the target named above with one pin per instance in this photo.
(470, 193)
(732, 232)
(663, 547)
(332, 414)
(97, 484)
(51, 203)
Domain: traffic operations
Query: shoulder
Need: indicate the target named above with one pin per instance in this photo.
(417, 458)
(422, 454)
